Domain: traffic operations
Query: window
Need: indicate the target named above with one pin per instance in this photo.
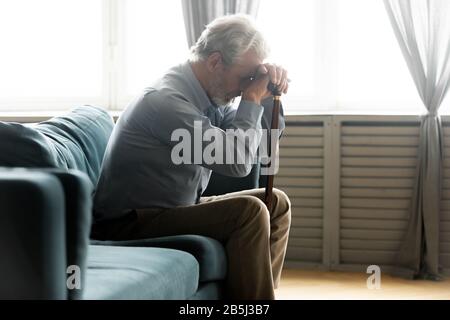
(51, 53)
(154, 41)
(295, 51)
(372, 73)
(342, 55)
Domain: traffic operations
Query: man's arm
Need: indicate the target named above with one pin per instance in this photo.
(192, 137)
(266, 120)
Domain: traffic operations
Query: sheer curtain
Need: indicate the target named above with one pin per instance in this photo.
(422, 28)
(198, 13)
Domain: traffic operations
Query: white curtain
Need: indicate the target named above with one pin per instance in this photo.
(198, 13)
(422, 28)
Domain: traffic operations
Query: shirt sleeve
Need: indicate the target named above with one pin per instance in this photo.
(176, 122)
(266, 120)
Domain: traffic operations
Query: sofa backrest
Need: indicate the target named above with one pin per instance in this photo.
(76, 140)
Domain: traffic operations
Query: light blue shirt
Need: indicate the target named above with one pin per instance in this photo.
(138, 171)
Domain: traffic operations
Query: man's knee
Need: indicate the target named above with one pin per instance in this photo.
(282, 199)
(253, 211)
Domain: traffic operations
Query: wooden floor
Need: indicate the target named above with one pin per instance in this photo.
(321, 285)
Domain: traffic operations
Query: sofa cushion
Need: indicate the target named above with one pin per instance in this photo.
(209, 252)
(140, 273)
(76, 140)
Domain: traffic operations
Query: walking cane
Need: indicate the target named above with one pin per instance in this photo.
(274, 125)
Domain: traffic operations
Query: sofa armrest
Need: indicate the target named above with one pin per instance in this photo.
(209, 252)
(78, 217)
(220, 184)
(32, 236)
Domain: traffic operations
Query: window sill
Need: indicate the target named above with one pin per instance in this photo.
(34, 116)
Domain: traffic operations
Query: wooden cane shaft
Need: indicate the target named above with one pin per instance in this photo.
(274, 125)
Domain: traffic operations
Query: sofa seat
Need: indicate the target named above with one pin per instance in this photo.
(140, 273)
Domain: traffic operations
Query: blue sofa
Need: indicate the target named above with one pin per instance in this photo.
(47, 176)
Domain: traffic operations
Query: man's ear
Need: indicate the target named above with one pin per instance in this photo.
(214, 61)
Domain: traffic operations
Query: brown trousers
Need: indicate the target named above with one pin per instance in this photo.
(255, 241)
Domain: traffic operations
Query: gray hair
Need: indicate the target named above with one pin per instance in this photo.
(232, 36)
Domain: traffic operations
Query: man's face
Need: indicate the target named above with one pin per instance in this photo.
(229, 81)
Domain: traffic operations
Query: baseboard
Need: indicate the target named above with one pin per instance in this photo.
(305, 265)
(360, 268)
(343, 267)
(340, 267)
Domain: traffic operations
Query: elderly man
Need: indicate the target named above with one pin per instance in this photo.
(142, 192)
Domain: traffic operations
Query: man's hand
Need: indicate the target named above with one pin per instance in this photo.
(256, 89)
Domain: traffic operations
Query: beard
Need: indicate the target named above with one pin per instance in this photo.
(223, 102)
(218, 94)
